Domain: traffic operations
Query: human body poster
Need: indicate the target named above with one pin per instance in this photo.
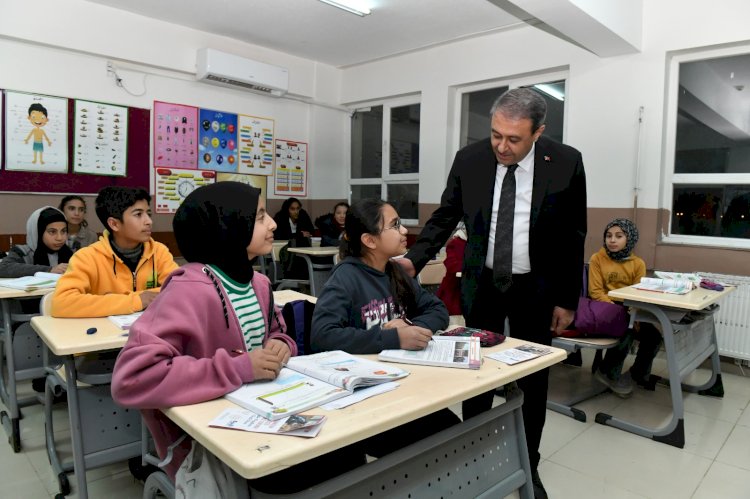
(36, 133)
(290, 177)
(174, 184)
(175, 135)
(217, 144)
(100, 138)
(255, 139)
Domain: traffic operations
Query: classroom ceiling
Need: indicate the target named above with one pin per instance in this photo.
(317, 31)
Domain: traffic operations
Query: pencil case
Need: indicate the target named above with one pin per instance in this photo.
(486, 338)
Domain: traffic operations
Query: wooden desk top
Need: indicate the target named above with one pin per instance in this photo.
(254, 455)
(316, 251)
(697, 299)
(68, 336)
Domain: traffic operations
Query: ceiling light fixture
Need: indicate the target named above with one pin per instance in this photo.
(550, 90)
(352, 6)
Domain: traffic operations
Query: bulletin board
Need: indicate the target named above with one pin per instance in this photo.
(138, 156)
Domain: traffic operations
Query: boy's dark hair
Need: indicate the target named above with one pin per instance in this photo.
(366, 217)
(73, 197)
(114, 200)
(37, 107)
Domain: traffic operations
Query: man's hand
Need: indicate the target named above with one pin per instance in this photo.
(147, 297)
(280, 349)
(407, 265)
(266, 364)
(561, 319)
(413, 337)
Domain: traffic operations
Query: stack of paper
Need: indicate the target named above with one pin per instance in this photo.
(40, 280)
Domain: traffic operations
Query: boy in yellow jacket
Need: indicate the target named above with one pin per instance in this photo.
(123, 271)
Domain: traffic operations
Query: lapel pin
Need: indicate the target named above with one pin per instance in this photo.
(547, 159)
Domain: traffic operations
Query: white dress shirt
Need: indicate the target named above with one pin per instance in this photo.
(521, 216)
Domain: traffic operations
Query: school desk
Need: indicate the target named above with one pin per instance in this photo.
(68, 338)
(485, 456)
(687, 326)
(24, 364)
(317, 272)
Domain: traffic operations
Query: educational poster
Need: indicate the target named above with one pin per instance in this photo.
(36, 133)
(217, 145)
(290, 178)
(256, 145)
(254, 180)
(100, 139)
(175, 135)
(174, 184)
(1, 126)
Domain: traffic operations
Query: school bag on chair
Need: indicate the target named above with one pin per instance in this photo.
(298, 317)
(597, 318)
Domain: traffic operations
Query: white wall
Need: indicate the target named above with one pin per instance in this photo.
(61, 48)
(603, 95)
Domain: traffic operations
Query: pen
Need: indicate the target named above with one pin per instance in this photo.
(406, 320)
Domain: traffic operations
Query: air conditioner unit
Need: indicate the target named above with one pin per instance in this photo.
(229, 70)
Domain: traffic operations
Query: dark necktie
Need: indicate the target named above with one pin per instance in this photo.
(503, 261)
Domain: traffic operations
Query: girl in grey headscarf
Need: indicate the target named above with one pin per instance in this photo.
(45, 249)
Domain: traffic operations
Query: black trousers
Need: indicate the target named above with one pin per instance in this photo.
(529, 311)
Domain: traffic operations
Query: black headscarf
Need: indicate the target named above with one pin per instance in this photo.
(214, 225)
(48, 216)
(631, 233)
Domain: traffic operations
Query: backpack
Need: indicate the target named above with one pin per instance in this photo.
(298, 317)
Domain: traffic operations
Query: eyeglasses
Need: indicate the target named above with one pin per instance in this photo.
(396, 225)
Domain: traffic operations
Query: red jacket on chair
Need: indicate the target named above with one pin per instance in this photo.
(450, 289)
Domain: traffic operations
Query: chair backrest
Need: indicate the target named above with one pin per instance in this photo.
(298, 317)
(45, 306)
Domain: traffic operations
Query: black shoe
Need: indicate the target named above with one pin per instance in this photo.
(539, 492)
(574, 359)
(645, 382)
(37, 384)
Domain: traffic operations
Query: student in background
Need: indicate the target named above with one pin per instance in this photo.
(292, 221)
(369, 304)
(450, 288)
(214, 325)
(79, 234)
(332, 225)
(123, 271)
(45, 249)
(615, 266)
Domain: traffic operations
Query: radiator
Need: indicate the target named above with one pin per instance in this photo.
(733, 319)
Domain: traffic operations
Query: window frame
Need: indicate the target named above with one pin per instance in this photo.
(670, 178)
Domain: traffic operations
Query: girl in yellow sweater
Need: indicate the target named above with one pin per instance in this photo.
(615, 266)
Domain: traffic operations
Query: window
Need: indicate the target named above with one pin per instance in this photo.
(393, 176)
(708, 148)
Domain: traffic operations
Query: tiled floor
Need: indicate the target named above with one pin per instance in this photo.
(579, 460)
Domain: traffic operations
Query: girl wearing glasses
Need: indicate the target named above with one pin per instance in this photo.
(369, 304)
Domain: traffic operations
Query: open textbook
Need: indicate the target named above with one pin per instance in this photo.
(522, 353)
(298, 425)
(40, 280)
(672, 286)
(312, 380)
(444, 351)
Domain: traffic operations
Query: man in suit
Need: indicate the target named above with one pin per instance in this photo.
(545, 228)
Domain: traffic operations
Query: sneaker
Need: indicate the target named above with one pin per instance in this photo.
(646, 382)
(622, 387)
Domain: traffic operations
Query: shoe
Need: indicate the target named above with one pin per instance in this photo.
(574, 359)
(37, 384)
(536, 481)
(622, 387)
(646, 382)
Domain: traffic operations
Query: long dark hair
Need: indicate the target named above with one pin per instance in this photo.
(366, 217)
(73, 197)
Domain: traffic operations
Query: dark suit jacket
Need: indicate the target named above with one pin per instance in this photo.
(558, 219)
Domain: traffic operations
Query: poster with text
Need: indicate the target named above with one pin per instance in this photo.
(253, 180)
(290, 177)
(100, 139)
(255, 139)
(175, 135)
(36, 133)
(217, 145)
(174, 184)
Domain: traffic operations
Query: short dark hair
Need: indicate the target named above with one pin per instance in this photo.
(114, 200)
(522, 103)
(37, 107)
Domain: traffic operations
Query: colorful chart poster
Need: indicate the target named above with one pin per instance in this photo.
(290, 178)
(100, 138)
(174, 184)
(175, 135)
(256, 145)
(258, 181)
(217, 146)
(36, 133)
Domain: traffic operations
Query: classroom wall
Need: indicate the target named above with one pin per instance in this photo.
(62, 48)
(603, 96)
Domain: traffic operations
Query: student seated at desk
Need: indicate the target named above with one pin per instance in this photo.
(370, 304)
(292, 221)
(331, 225)
(213, 327)
(45, 249)
(123, 271)
(615, 266)
(79, 234)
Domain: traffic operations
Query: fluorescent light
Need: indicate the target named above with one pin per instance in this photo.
(352, 6)
(550, 90)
